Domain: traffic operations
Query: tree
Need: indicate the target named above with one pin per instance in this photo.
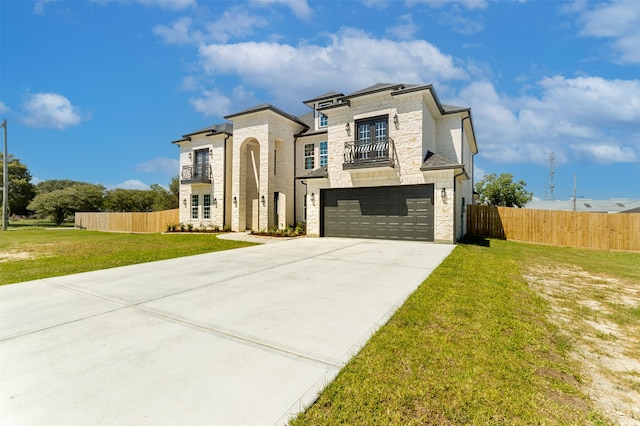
(21, 190)
(60, 204)
(55, 184)
(129, 200)
(164, 199)
(174, 189)
(502, 191)
(138, 200)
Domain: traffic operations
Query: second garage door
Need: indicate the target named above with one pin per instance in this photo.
(386, 212)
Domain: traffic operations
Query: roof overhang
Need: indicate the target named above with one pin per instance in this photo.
(266, 107)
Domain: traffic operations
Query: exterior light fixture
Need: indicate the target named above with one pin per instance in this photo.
(189, 156)
(184, 202)
(262, 200)
(313, 198)
(210, 153)
(235, 201)
(347, 128)
(443, 194)
(396, 122)
(215, 201)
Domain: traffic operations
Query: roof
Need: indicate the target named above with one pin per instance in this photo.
(321, 173)
(614, 205)
(379, 87)
(266, 107)
(433, 161)
(327, 95)
(215, 129)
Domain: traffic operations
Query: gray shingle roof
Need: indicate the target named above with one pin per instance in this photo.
(213, 129)
(321, 173)
(433, 161)
(379, 87)
(327, 95)
(264, 107)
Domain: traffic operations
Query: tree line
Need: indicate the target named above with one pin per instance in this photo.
(61, 199)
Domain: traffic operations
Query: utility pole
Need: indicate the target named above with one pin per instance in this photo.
(574, 192)
(5, 180)
(552, 172)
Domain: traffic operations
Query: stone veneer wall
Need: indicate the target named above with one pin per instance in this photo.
(412, 139)
(272, 132)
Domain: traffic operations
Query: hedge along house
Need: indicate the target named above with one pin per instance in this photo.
(389, 161)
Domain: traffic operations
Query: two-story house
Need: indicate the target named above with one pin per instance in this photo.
(389, 161)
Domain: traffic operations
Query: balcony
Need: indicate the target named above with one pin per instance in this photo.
(197, 173)
(365, 153)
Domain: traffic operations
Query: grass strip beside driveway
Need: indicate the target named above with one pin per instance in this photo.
(474, 344)
(34, 253)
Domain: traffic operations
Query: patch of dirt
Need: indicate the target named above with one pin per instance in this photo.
(584, 306)
(19, 255)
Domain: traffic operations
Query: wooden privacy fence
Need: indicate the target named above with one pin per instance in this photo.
(603, 231)
(127, 222)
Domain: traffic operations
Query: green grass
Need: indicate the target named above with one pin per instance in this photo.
(473, 345)
(33, 253)
(15, 224)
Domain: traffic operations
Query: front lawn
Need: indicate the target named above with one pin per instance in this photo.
(33, 253)
(477, 344)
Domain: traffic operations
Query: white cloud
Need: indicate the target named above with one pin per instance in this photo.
(606, 153)
(469, 4)
(169, 4)
(50, 110)
(291, 72)
(587, 117)
(404, 29)
(211, 103)
(235, 22)
(618, 21)
(299, 7)
(460, 23)
(38, 7)
(177, 33)
(169, 166)
(130, 184)
(3, 108)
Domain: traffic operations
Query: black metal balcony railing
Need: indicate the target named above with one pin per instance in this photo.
(197, 173)
(375, 152)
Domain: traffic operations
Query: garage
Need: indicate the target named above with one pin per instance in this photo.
(386, 212)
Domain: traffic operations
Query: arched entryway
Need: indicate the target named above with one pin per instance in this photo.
(249, 203)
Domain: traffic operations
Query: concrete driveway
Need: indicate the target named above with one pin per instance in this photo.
(245, 336)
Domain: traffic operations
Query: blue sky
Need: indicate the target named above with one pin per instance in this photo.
(95, 91)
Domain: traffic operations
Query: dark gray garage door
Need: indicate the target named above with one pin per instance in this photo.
(386, 212)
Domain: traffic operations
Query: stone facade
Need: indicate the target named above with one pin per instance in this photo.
(268, 169)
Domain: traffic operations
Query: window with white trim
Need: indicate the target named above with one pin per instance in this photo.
(309, 157)
(206, 206)
(324, 154)
(195, 200)
(323, 120)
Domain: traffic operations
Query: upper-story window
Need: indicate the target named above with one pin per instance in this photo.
(372, 139)
(201, 163)
(309, 157)
(324, 154)
(323, 120)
